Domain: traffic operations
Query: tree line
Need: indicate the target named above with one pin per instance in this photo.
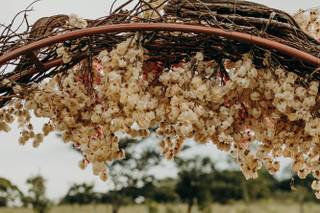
(198, 184)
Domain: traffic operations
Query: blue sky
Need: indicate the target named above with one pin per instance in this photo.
(53, 159)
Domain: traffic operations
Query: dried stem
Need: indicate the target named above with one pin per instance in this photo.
(169, 48)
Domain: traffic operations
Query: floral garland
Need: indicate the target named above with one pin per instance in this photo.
(256, 115)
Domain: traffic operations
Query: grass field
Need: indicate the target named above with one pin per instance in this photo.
(261, 207)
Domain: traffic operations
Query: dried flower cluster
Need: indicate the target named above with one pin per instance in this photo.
(309, 21)
(77, 22)
(256, 115)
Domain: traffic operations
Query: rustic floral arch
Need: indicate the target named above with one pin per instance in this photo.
(238, 74)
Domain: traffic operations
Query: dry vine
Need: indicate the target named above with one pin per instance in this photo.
(167, 47)
(257, 104)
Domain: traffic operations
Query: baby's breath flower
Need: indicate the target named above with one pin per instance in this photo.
(183, 102)
(77, 22)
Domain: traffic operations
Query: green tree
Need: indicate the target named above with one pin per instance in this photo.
(231, 185)
(131, 176)
(37, 195)
(8, 192)
(195, 178)
(164, 191)
(293, 185)
(227, 186)
(261, 187)
(81, 194)
(296, 189)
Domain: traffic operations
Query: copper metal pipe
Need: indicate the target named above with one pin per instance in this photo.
(132, 27)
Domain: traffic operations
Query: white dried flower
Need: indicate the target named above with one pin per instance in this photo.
(199, 56)
(316, 185)
(77, 22)
(127, 98)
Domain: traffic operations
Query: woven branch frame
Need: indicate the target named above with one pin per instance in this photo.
(220, 30)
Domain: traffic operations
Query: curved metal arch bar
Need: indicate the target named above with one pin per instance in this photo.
(135, 27)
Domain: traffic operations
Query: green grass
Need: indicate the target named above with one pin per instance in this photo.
(259, 207)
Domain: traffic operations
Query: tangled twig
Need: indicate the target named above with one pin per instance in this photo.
(241, 16)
